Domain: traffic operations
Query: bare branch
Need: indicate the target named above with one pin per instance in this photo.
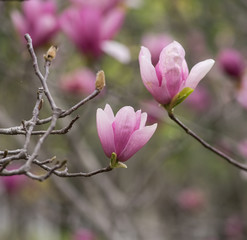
(207, 145)
(48, 174)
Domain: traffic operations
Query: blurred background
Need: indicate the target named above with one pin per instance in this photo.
(173, 187)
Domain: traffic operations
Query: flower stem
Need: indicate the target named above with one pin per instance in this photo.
(207, 145)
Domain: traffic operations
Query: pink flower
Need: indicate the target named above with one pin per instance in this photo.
(38, 19)
(79, 82)
(231, 62)
(171, 74)
(89, 27)
(155, 43)
(124, 134)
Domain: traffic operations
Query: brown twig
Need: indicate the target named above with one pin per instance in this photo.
(207, 145)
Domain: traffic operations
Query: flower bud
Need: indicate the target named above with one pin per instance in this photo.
(100, 80)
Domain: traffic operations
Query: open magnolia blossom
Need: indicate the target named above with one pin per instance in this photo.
(170, 81)
(124, 134)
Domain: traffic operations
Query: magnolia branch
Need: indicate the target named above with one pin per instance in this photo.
(27, 128)
(207, 145)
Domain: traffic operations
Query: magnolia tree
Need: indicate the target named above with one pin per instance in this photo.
(52, 36)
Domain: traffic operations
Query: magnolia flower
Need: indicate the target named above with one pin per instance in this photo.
(231, 62)
(91, 29)
(124, 134)
(170, 81)
(38, 19)
(79, 82)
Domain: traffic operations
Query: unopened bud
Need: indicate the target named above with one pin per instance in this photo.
(51, 53)
(100, 80)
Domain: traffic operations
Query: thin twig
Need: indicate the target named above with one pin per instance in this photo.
(72, 109)
(207, 145)
(79, 174)
(48, 174)
(34, 119)
(18, 131)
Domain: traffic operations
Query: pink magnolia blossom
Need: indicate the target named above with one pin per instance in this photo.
(79, 82)
(155, 43)
(171, 74)
(231, 62)
(38, 19)
(89, 27)
(124, 134)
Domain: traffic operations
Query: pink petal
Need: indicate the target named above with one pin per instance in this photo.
(171, 65)
(32, 9)
(19, 22)
(138, 120)
(116, 50)
(111, 23)
(44, 29)
(173, 80)
(123, 127)
(105, 132)
(109, 113)
(149, 77)
(143, 120)
(137, 140)
(198, 72)
(68, 22)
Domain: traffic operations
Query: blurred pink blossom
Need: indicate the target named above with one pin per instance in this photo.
(234, 228)
(102, 4)
(191, 199)
(13, 184)
(199, 100)
(91, 29)
(171, 74)
(83, 234)
(155, 43)
(155, 113)
(231, 62)
(79, 82)
(123, 134)
(38, 19)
